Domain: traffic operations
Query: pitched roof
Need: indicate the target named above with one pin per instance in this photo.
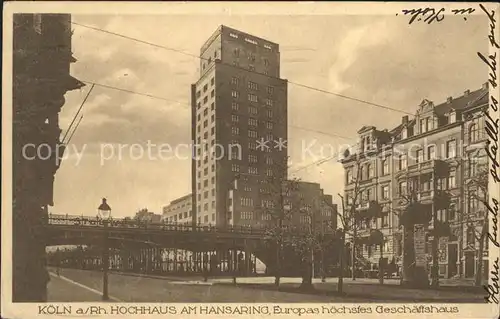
(461, 102)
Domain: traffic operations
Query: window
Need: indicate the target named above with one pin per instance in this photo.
(473, 201)
(233, 35)
(252, 170)
(251, 68)
(269, 113)
(348, 176)
(205, 112)
(205, 194)
(269, 102)
(205, 100)
(252, 122)
(385, 166)
(471, 236)
(205, 123)
(235, 168)
(198, 94)
(253, 86)
(235, 81)
(252, 134)
(251, 57)
(269, 173)
(252, 158)
(247, 215)
(402, 188)
(244, 201)
(385, 220)
(234, 118)
(212, 118)
(252, 110)
(212, 93)
(253, 98)
(420, 156)
(269, 160)
(269, 125)
(266, 62)
(451, 149)
(212, 106)
(361, 172)
(473, 133)
(205, 183)
(212, 81)
(402, 162)
(205, 88)
(235, 106)
(235, 130)
(385, 192)
(424, 125)
(270, 89)
(235, 94)
(369, 170)
(431, 152)
(452, 179)
(252, 146)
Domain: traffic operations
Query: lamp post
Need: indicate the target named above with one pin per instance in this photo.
(104, 212)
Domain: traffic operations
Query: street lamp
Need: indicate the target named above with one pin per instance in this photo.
(104, 212)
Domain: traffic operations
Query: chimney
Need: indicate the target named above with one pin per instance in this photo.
(466, 93)
(449, 99)
(405, 119)
(485, 86)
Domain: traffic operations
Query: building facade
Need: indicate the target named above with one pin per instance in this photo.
(431, 159)
(41, 77)
(179, 211)
(238, 101)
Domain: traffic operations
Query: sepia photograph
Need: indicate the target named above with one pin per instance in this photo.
(208, 153)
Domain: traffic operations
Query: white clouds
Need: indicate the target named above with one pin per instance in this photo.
(350, 47)
(367, 57)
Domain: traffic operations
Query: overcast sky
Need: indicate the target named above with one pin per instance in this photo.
(380, 59)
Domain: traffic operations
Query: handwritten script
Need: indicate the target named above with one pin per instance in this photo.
(430, 15)
(491, 127)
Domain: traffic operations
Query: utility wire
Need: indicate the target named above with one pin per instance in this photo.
(74, 117)
(202, 58)
(76, 126)
(187, 104)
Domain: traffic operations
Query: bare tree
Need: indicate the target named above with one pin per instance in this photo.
(475, 216)
(349, 217)
(274, 207)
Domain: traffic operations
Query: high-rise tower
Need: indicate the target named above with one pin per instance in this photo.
(239, 104)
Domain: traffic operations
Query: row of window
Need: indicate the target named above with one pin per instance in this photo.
(251, 121)
(179, 216)
(366, 170)
(235, 81)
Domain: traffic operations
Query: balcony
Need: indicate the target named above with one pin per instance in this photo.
(438, 167)
(370, 237)
(369, 209)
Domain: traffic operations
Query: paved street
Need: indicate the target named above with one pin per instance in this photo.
(138, 288)
(61, 290)
(142, 289)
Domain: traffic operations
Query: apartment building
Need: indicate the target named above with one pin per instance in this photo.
(239, 103)
(434, 156)
(179, 211)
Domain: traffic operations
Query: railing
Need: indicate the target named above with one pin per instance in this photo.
(87, 221)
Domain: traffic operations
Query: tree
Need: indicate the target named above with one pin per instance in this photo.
(349, 217)
(275, 206)
(475, 216)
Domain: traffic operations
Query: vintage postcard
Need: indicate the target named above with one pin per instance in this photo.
(250, 159)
